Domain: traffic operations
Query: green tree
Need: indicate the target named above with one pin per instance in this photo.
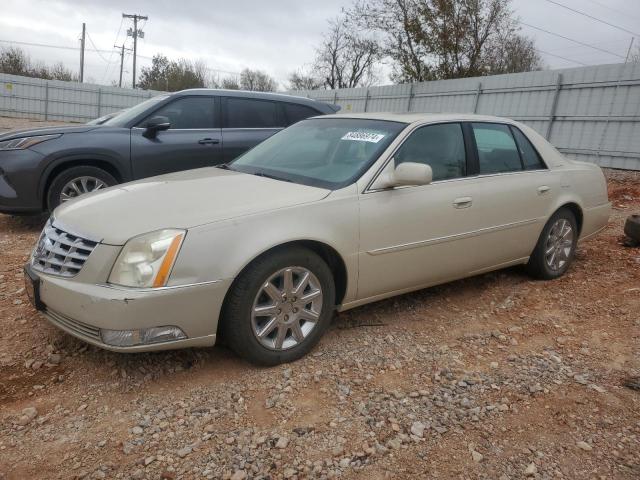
(172, 75)
(15, 61)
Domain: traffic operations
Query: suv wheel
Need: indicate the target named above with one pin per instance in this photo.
(77, 181)
(279, 307)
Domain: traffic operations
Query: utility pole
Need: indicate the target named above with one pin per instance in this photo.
(629, 51)
(122, 49)
(84, 31)
(135, 33)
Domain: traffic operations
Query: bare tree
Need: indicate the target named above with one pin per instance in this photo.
(304, 81)
(432, 39)
(346, 59)
(230, 83)
(514, 54)
(257, 80)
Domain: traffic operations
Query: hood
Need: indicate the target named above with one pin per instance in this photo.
(46, 131)
(179, 200)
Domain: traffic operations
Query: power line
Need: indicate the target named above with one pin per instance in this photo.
(563, 58)
(95, 49)
(598, 44)
(106, 70)
(592, 17)
(571, 40)
(626, 14)
(99, 50)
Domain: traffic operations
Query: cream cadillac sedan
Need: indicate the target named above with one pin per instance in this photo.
(331, 213)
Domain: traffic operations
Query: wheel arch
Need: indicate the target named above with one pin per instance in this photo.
(64, 164)
(329, 254)
(574, 208)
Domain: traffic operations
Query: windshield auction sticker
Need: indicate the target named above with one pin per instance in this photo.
(363, 137)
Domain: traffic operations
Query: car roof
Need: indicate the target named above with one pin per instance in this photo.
(258, 95)
(422, 117)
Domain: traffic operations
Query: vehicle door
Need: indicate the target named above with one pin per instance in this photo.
(512, 193)
(420, 235)
(193, 140)
(247, 122)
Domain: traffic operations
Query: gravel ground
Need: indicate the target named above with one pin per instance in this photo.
(493, 377)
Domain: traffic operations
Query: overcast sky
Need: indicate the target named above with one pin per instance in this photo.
(277, 36)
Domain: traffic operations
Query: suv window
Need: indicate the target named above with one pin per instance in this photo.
(439, 146)
(295, 113)
(250, 113)
(188, 112)
(497, 151)
(530, 157)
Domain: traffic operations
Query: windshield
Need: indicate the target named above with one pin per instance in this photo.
(126, 116)
(322, 152)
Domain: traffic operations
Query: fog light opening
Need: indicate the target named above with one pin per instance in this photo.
(145, 336)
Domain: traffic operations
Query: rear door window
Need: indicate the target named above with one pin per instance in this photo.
(497, 150)
(530, 157)
(188, 113)
(295, 113)
(252, 113)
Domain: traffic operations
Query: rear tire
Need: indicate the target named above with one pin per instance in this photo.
(556, 247)
(302, 311)
(85, 178)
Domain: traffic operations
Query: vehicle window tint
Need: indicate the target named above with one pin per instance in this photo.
(188, 112)
(439, 146)
(530, 157)
(295, 113)
(497, 150)
(249, 113)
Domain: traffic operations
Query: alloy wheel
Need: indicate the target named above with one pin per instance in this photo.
(559, 245)
(287, 308)
(79, 186)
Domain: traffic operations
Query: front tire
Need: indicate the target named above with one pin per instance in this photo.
(556, 247)
(77, 181)
(279, 307)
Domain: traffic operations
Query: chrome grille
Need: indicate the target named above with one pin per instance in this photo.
(60, 253)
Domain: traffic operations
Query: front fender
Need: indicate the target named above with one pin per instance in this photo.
(220, 251)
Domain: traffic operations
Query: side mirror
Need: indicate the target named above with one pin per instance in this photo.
(155, 125)
(406, 174)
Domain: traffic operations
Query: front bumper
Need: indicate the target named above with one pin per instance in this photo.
(20, 176)
(82, 309)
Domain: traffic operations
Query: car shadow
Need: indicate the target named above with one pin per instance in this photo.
(22, 223)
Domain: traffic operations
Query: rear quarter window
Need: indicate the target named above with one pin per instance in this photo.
(530, 156)
(294, 112)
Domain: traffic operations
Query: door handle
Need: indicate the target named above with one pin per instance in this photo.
(208, 141)
(463, 202)
(543, 189)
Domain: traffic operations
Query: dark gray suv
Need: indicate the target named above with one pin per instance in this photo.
(41, 168)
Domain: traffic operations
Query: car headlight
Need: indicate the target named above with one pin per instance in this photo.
(146, 261)
(25, 142)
